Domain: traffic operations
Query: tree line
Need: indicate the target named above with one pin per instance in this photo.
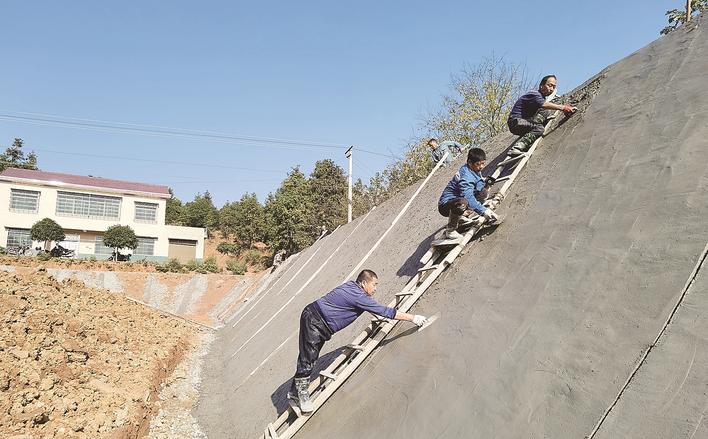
(293, 217)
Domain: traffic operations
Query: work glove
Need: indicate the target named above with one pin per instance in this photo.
(568, 109)
(490, 215)
(419, 320)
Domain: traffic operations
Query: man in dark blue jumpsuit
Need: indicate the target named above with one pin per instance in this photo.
(530, 112)
(329, 314)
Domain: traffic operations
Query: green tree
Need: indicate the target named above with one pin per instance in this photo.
(47, 230)
(173, 210)
(244, 220)
(200, 212)
(479, 101)
(287, 212)
(328, 191)
(677, 17)
(118, 237)
(14, 157)
(249, 224)
(361, 199)
(227, 219)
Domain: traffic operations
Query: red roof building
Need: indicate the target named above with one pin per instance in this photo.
(84, 182)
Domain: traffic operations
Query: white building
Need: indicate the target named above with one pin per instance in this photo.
(85, 207)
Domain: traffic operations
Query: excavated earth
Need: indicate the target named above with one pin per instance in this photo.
(582, 315)
(77, 362)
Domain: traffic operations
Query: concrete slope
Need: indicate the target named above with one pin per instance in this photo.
(545, 319)
(253, 358)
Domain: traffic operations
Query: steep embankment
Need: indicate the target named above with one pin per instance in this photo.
(545, 320)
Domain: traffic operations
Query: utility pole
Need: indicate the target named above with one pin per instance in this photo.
(688, 11)
(349, 154)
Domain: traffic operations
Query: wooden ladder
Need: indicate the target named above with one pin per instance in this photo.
(442, 253)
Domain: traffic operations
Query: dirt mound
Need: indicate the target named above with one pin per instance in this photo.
(77, 362)
(77, 264)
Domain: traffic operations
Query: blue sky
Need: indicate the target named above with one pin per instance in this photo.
(329, 74)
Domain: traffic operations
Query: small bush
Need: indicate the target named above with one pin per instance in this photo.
(254, 258)
(236, 267)
(210, 265)
(228, 248)
(2, 250)
(207, 266)
(171, 266)
(44, 256)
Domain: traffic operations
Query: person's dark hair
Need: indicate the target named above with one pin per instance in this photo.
(366, 276)
(546, 78)
(431, 140)
(475, 155)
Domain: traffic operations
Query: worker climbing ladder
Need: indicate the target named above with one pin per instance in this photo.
(441, 255)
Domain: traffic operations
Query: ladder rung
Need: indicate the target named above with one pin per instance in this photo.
(271, 432)
(506, 177)
(510, 160)
(356, 347)
(432, 267)
(445, 242)
(404, 294)
(326, 374)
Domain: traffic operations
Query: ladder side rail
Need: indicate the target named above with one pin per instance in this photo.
(377, 331)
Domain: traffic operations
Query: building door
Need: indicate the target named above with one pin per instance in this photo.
(184, 250)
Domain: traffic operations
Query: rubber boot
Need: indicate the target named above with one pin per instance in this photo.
(522, 145)
(451, 229)
(303, 395)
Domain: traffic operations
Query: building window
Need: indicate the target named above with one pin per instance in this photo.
(88, 206)
(145, 212)
(101, 250)
(18, 238)
(24, 201)
(146, 247)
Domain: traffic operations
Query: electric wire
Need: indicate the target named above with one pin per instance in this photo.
(42, 119)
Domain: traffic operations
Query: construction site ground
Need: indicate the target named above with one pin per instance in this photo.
(76, 362)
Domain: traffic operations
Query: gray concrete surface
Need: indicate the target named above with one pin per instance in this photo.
(542, 322)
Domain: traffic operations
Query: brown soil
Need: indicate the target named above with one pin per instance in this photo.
(76, 264)
(77, 362)
(83, 264)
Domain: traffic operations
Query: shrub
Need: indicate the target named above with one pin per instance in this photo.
(210, 265)
(254, 258)
(236, 267)
(228, 248)
(44, 256)
(171, 266)
(207, 266)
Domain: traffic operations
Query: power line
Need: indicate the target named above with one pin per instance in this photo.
(171, 162)
(42, 119)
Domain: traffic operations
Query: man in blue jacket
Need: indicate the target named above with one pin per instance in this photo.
(329, 314)
(529, 114)
(466, 190)
(438, 150)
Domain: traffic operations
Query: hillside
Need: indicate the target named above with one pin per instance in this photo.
(545, 323)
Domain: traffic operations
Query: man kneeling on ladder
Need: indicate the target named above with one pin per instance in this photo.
(467, 189)
(530, 113)
(329, 314)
